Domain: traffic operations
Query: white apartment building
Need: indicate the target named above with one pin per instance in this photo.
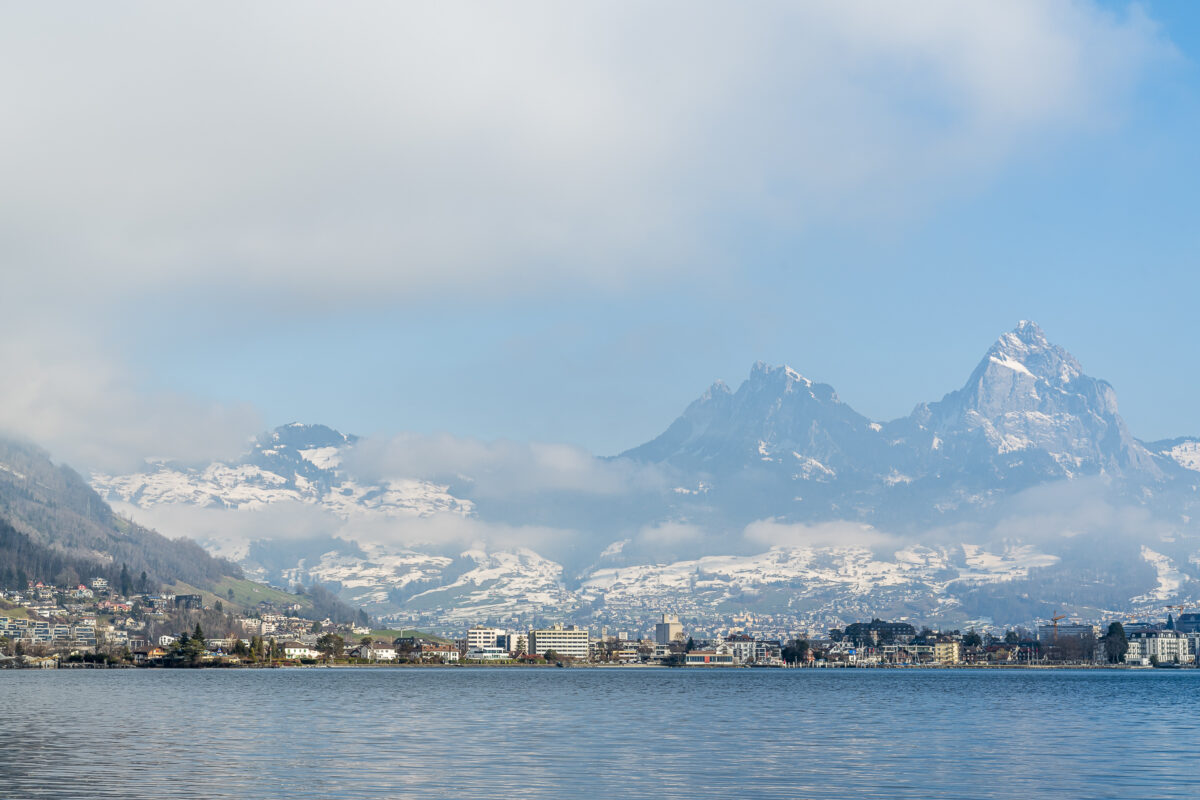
(298, 650)
(570, 640)
(1166, 647)
(480, 637)
(947, 652)
(742, 647)
(379, 651)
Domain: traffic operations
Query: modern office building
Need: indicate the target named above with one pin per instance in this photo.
(480, 637)
(1065, 630)
(571, 641)
(668, 630)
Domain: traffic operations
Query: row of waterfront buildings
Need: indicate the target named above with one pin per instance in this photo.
(93, 618)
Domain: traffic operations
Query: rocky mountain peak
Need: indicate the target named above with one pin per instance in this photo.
(300, 436)
(1030, 396)
(1026, 350)
(782, 376)
(719, 389)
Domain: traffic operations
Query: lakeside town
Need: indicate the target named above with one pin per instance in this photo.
(95, 625)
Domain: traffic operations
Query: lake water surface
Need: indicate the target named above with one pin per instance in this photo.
(425, 733)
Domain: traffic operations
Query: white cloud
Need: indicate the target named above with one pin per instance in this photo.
(500, 468)
(280, 521)
(229, 530)
(670, 534)
(455, 531)
(370, 153)
(361, 149)
(68, 397)
(1061, 510)
(839, 533)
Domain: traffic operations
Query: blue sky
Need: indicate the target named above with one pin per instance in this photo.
(562, 227)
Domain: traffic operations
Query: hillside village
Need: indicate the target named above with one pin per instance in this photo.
(94, 625)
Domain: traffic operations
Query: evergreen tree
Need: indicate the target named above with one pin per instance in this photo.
(126, 582)
(1116, 644)
(796, 651)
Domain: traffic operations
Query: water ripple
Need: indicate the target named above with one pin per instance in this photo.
(540, 733)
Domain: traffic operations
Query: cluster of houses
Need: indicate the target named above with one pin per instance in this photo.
(1175, 642)
(404, 648)
(46, 625)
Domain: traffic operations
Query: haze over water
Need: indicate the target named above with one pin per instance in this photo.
(599, 732)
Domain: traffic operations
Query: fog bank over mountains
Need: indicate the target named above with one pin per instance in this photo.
(1020, 491)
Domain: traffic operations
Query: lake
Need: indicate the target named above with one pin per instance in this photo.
(654, 733)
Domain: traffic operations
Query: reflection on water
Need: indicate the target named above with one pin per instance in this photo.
(581, 732)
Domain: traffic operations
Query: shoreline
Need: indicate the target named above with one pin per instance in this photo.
(475, 667)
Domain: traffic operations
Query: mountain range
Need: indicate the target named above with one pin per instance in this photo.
(1021, 493)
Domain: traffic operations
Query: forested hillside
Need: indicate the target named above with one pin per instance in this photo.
(54, 528)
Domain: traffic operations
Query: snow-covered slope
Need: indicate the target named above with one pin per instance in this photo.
(1184, 451)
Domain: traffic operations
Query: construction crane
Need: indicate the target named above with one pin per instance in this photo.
(1054, 620)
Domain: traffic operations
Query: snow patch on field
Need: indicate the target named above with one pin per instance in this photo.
(811, 469)
(1014, 365)
(322, 457)
(1014, 562)
(13, 472)
(1186, 455)
(1170, 579)
(805, 570)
